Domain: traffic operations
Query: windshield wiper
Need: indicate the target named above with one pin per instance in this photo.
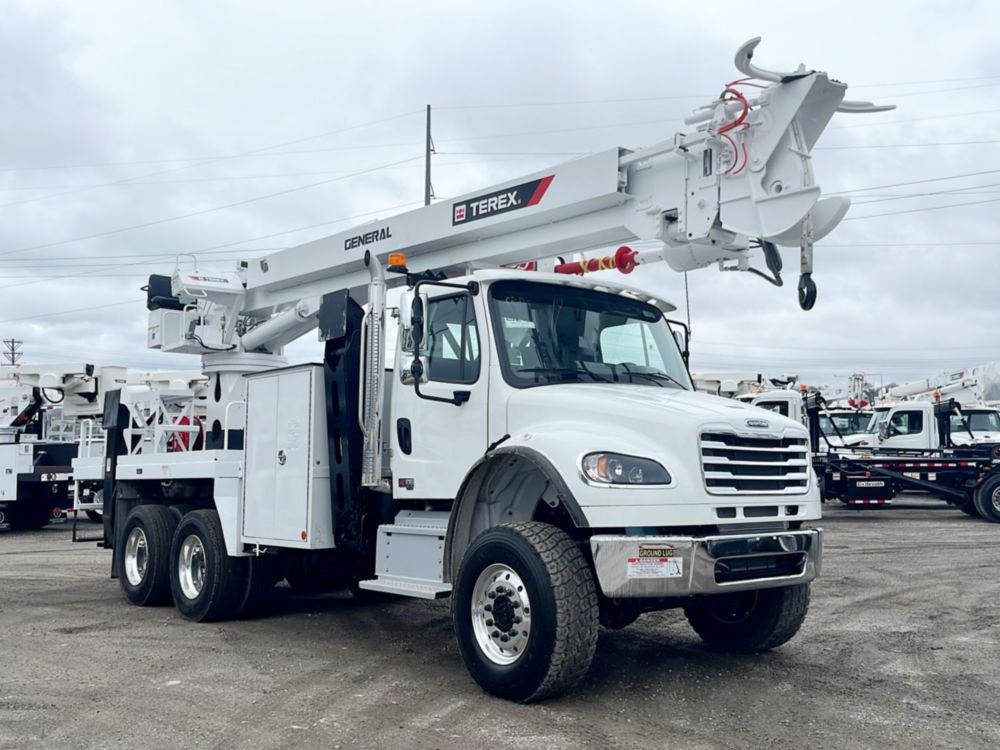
(656, 377)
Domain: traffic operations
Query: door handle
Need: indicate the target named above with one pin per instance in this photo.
(282, 458)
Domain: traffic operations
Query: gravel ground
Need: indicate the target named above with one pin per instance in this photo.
(901, 650)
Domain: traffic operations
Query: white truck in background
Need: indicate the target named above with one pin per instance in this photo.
(167, 410)
(42, 412)
(526, 443)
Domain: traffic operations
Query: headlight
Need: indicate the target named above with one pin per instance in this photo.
(615, 468)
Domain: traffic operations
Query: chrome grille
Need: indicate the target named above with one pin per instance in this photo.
(767, 465)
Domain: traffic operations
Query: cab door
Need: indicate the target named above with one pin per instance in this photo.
(435, 443)
(907, 428)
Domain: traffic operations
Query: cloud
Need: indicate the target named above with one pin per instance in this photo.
(118, 82)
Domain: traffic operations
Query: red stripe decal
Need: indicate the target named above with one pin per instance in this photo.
(543, 185)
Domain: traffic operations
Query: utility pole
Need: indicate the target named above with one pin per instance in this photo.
(428, 150)
(12, 351)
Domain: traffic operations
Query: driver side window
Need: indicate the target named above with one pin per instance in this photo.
(906, 423)
(453, 340)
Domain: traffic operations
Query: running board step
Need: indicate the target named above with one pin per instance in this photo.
(407, 588)
(409, 556)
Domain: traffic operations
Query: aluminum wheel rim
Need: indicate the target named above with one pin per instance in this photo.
(995, 499)
(501, 614)
(191, 567)
(136, 556)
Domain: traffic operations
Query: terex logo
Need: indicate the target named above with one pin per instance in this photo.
(360, 240)
(501, 201)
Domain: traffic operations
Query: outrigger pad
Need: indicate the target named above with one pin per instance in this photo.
(333, 315)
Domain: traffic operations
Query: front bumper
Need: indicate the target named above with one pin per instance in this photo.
(667, 566)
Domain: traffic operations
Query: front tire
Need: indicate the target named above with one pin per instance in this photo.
(525, 611)
(143, 559)
(206, 583)
(987, 499)
(749, 621)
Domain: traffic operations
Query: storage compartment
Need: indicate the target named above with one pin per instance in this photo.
(286, 479)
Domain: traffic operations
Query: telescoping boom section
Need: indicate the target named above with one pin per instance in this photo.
(486, 420)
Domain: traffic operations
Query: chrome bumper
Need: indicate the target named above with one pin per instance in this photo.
(665, 566)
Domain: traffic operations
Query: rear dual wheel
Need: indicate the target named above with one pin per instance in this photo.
(986, 499)
(143, 560)
(207, 584)
(162, 559)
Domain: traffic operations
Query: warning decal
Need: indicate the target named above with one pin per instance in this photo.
(655, 562)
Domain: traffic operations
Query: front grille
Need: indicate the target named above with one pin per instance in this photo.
(738, 465)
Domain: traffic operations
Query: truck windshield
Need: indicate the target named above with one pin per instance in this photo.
(551, 333)
(976, 421)
(876, 421)
(852, 422)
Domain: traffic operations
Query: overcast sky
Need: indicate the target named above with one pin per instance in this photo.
(118, 114)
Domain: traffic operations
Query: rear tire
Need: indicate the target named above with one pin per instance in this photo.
(525, 611)
(206, 583)
(96, 516)
(987, 499)
(749, 621)
(143, 559)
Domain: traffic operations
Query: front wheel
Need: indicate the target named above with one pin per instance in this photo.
(749, 621)
(207, 584)
(525, 610)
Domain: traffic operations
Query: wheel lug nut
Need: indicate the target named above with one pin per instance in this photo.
(516, 620)
(495, 634)
(489, 623)
(492, 595)
(488, 607)
(504, 638)
(515, 604)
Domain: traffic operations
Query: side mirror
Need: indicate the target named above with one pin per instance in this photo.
(883, 431)
(415, 373)
(418, 321)
(682, 337)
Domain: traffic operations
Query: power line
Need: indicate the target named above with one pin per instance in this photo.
(917, 182)
(512, 156)
(914, 119)
(922, 210)
(228, 244)
(208, 162)
(74, 310)
(204, 211)
(952, 191)
(768, 347)
(904, 145)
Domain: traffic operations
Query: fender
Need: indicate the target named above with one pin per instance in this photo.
(461, 523)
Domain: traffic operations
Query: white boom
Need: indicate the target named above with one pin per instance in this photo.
(742, 178)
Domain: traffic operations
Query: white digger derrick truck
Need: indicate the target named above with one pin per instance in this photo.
(43, 409)
(527, 443)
